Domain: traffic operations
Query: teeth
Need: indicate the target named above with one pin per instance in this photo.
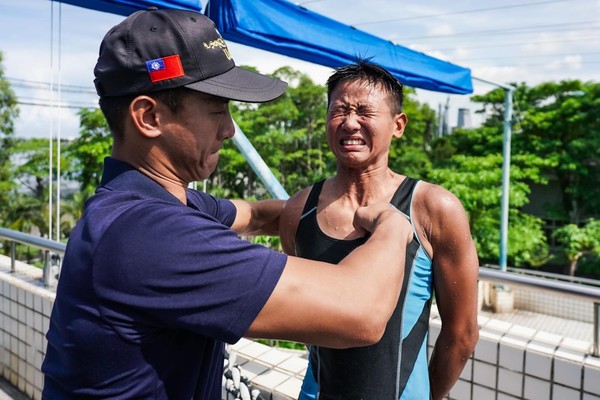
(351, 142)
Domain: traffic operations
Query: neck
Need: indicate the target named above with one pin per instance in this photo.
(155, 171)
(366, 187)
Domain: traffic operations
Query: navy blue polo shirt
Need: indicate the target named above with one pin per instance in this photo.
(149, 291)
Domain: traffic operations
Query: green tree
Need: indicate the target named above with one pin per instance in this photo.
(289, 135)
(564, 127)
(559, 123)
(578, 241)
(411, 154)
(28, 211)
(558, 127)
(86, 153)
(476, 181)
(9, 111)
(468, 162)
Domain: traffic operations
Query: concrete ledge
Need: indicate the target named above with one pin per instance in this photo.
(275, 372)
(510, 361)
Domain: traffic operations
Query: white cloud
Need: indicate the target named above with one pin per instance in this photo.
(441, 29)
(44, 121)
(572, 63)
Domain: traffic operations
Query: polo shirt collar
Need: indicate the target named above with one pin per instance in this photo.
(118, 175)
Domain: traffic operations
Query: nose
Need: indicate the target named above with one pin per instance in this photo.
(228, 128)
(350, 122)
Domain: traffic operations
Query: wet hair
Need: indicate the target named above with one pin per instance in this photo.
(115, 109)
(365, 70)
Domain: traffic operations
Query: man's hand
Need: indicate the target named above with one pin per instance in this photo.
(370, 217)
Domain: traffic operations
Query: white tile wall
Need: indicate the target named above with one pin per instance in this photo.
(538, 360)
(22, 329)
(510, 382)
(564, 393)
(461, 391)
(567, 371)
(536, 389)
(467, 372)
(480, 392)
(485, 374)
(503, 396)
(512, 353)
(509, 362)
(487, 347)
(591, 375)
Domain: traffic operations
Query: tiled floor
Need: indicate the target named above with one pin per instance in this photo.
(547, 323)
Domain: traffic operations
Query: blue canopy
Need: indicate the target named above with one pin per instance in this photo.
(280, 26)
(127, 7)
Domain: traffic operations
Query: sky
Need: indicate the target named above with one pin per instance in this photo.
(48, 45)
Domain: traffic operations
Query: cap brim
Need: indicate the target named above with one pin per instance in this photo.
(241, 85)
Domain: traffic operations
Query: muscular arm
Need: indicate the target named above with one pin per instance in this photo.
(455, 271)
(257, 217)
(344, 305)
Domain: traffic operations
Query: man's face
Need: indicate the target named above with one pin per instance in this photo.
(192, 138)
(361, 125)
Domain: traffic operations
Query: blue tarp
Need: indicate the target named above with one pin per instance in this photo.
(280, 26)
(127, 7)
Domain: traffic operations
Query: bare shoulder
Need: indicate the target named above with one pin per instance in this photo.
(290, 216)
(439, 217)
(434, 200)
(295, 204)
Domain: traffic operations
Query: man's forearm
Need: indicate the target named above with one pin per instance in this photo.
(257, 217)
(447, 362)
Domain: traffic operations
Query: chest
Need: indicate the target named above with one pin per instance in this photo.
(335, 220)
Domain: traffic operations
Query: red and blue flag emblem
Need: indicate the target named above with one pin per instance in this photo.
(164, 68)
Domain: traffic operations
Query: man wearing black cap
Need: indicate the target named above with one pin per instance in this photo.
(155, 278)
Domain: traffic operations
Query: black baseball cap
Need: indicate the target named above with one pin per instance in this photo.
(155, 50)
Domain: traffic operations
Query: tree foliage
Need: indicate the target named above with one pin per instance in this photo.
(289, 135)
(559, 123)
(8, 113)
(86, 153)
(578, 241)
(557, 129)
(556, 141)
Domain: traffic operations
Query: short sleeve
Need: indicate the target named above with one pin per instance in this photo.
(221, 209)
(162, 265)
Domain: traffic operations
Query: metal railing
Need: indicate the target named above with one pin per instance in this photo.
(580, 288)
(46, 245)
(557, 284)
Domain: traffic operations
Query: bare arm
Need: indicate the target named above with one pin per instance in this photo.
(455, 265)
(257, 217)
(347, 305)
(290, 218)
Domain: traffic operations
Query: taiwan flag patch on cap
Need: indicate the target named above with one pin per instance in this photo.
(164, 68)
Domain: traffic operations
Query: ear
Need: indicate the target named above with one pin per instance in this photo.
(143, 111)
(400, 123)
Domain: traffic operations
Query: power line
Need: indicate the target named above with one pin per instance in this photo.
(513, 30)
(537, 65)
(46, 104)
(511, 44)
(30, 84)
(531, 56)
(477, 10)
